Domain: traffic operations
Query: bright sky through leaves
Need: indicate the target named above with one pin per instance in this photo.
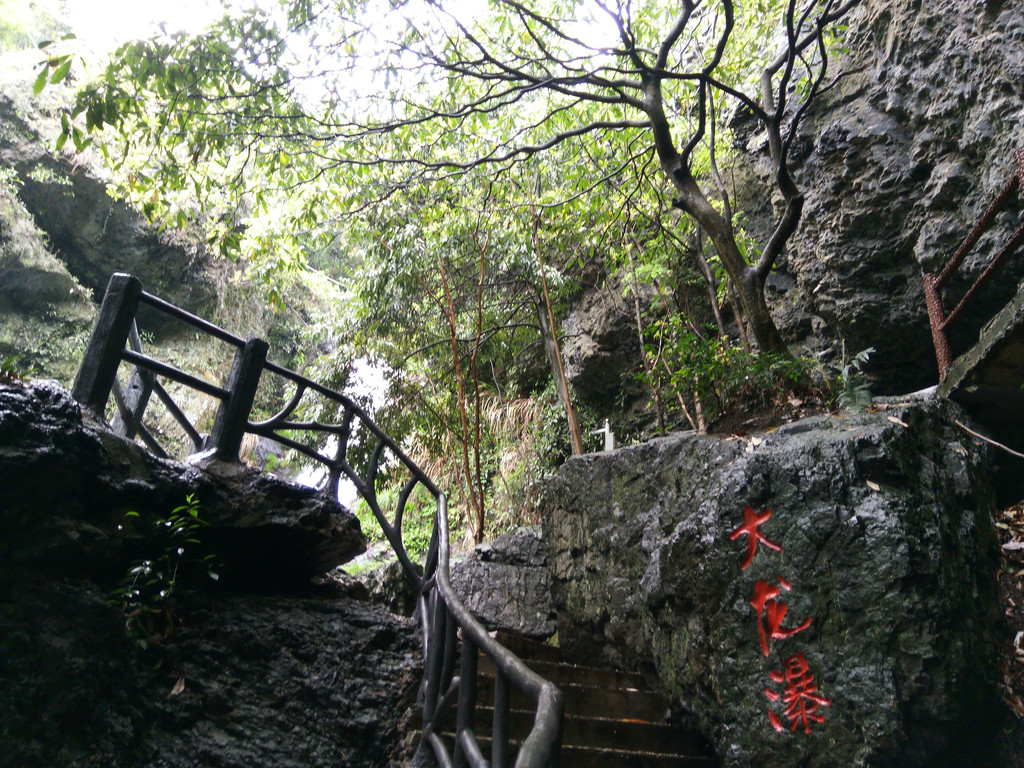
(104, 24)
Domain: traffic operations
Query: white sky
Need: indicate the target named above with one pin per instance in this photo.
(104, 24)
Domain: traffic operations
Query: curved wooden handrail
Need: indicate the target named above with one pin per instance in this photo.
(443, 617)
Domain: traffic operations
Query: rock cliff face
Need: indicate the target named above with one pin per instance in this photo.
(275, 671)
(869, 584)
(897, 164)
(93, 234)
(601, 347)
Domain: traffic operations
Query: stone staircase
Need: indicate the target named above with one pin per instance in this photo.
(612, 719)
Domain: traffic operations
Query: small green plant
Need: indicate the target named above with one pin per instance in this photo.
(12, 373)
(146, 594)
(851, 385)
(709, 378)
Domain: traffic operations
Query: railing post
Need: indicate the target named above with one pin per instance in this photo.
(136, 397)
(499, 728)
(103, 354)
(434, 660)
(467, 698)
(233, 416)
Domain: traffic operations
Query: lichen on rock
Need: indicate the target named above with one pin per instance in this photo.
(257, 669)
(887, 545)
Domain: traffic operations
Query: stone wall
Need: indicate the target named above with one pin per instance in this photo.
(259, 668)
(882, 532)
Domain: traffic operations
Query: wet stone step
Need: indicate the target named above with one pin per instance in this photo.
(581, 757)
(604, 733)
(529, 650)
(559, 673)
(589, 702)
(588, 757)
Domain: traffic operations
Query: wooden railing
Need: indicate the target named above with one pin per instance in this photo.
(445, 623)
(933, 284)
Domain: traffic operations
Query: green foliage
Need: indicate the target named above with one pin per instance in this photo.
(417, 522)
(308, 113)
(425, 159)
(714, 377)
(12, 372)
(146, 595)
(850, 386)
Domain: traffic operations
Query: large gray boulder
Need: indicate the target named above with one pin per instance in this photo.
(68, 485)
(505, 584)
(879, 536)
(897, 163)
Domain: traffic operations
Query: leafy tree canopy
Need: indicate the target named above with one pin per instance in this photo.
(450, 158)
(294, 117)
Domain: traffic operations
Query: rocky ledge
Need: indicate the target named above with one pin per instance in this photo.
(821, 595)
(68, 485)
(258, 669)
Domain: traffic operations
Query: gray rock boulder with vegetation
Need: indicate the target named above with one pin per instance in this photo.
(62, 236)
(880, 527)
(505, 584)
(259, 670)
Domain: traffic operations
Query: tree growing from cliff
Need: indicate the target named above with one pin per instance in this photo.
(294, 116)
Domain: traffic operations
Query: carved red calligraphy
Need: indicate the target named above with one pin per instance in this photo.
(800, 695)
(751, 528)
(770, 612)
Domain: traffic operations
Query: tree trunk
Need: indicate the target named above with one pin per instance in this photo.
(548, 331)
(693, 200)
(751, 291)
(749, 287)
(558, 371)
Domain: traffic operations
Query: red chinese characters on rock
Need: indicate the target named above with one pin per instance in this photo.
(751, 528)
(772, 611)
(800, 695)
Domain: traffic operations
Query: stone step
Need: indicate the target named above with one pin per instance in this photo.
(612, 718)
(559, 673)
(584, 757)
(588, 701)
(601, 733)
(527, 649)
(597, 757)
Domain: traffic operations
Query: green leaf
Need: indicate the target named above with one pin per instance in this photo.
(62, 71)
(40, 83)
